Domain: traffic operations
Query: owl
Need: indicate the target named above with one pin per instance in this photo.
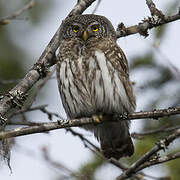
(93, 79)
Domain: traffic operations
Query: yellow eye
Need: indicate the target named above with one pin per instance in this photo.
(75, 28)
(95, 27)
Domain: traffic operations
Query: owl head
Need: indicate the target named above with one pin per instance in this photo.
(87, 26)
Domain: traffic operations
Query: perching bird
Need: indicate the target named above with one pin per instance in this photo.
(93, 79)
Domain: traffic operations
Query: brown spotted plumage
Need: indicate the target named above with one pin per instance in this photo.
(93, 78)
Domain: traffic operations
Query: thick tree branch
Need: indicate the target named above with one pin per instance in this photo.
(84, 121)
(161, 145)
(5, 20)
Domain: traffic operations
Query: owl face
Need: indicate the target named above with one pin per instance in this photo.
(85, 27)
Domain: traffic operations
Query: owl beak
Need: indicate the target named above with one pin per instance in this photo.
(85, 35)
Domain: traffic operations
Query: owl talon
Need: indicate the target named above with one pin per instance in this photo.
(63, 122)
(97, 118)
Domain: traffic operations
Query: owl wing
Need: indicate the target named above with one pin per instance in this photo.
(126, 82)
(114, 137)
(117, 58)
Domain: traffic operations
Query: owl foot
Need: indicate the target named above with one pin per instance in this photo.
(97, 118)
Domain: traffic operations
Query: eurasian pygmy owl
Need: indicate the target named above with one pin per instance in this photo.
(93, 79)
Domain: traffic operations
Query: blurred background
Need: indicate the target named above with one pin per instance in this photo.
(154, 68)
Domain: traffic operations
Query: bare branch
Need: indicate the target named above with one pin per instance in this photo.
(96, 7)
(27, 110)
(154, 11)
(142, 28)
(161, 145)
(80, 7)
(159, 160)
(84, 140)
(44, 127)
(84, 121)
(155, 114)
(6, 20)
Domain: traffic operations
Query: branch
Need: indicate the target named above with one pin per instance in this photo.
(157, 19)
(27, 110)
(6, 20)
(159, 160)
(84, 121)
(16, 95)
(96, 7)
(155, 114)
(154, 11)
(161, 145)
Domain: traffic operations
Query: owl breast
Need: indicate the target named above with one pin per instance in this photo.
(89, 83)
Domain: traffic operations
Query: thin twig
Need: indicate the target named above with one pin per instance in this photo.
(27, 110)
(154, 11)
(96, 7)
(5, 20)
(82, 138)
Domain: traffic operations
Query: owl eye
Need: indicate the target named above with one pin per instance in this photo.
(75, 28)
(95, 27)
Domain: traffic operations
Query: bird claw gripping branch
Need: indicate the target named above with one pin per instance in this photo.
(63, 122)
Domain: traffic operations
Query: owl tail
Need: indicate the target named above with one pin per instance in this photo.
(115, 140)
